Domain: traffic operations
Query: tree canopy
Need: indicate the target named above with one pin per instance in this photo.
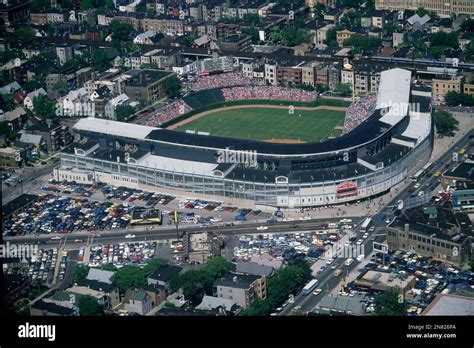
(284, 282)
(88, 306)
(80, 272)
(445, 123)
(362, 43)
(196, 282)
(44, 107)
(389, 303)
(172, 87)
(123, 112)
(453, 98)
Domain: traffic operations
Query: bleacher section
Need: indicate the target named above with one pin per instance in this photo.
(204, 98)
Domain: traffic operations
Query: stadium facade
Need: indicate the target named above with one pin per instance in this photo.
(378, 154)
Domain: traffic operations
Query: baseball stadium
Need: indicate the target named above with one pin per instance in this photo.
(237, 142)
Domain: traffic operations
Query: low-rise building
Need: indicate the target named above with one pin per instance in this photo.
(441, 86)
(340, 305)
(163, 275)
(11, 158)
(243, 289)
(147, 84)
(236, 43)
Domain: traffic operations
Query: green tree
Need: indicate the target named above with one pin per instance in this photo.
(39, 5)
(350, 20)
(108, 267)
(153, 265)
(195, 282)
(251, 18)
(44, 107)
(129, 276)
(253, 33)
(80, 272)
(362, 43)
(331, 40)
(120, 31)
(389, 303)
(468, 25)
(35, 83)
(454, 98)
(292, 36)
(350, 3)
(344, 89)
(26, 36)
(391, 28)
(123, 112)
(444, 39)
(284, 282)
(469, 52)
(445, 123)
(88, 306)
(7, 103)
(319, 10)
(100, 59)
(172, 87)
(61, 85)
(7, 131)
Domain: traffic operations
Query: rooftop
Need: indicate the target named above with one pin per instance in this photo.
(446, 304)
(235, 280)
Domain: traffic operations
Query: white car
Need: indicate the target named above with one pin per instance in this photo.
(130, 236)
(417, 185)
(365, 236)
(56, 238)
(262, 228)
(421, 193)
(317, 292)
(359, 242)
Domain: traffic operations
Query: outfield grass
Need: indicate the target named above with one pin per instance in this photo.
(268, 123)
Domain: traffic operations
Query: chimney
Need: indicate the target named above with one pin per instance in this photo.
(407, 227)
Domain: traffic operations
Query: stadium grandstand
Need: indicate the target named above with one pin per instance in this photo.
(387, 138)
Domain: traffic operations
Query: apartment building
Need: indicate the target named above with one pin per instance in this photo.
(146, 84)
(443, 85)
(11, 158)
(243, 289)
(431, 232)
(444, 8)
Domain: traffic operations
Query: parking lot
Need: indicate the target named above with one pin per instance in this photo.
(119, 255)
(40, 267)
(63, 215)
(432, 278)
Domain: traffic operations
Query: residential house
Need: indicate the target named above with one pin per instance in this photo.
(163, 275)
(47, 307)
(55, 135)
(236, 43)
(254, 268)
(138, 302)
(28, 101)
(11, 158)
(243, 289)
(15, 119)
(100, 275)
(211, 303)
(111, 106)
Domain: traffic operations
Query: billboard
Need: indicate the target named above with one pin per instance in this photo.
(346, 189)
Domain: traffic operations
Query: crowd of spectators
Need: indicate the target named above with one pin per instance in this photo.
(219, 81)
(268, 93)
(167, 113)
(358, 112)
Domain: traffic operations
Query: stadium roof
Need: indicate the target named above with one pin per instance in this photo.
(177, 165)
(394, 93)
(128, 130)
